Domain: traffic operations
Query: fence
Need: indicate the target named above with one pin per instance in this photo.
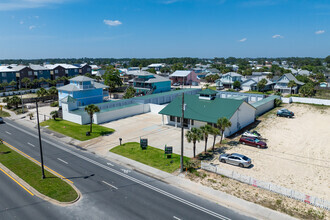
(312, 200)
(306, 100)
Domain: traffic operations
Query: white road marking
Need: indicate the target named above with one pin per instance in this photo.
(62, 160)
(109, 184)
(200, 208)
(110, 164)
(8, 132)
(125, 171)
(176, 218)
(31, 144)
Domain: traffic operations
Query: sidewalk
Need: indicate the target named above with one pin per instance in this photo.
(247, 208)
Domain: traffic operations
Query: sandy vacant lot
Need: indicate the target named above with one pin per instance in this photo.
(298, 154)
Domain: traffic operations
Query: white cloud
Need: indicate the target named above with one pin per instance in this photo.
(21, 22)
(111, 22)
(243, 40)
(320, 32)
(11, 5)
(277, 36)
(32, 27)
(36, 17)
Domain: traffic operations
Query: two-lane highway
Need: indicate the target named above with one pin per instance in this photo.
(109, 191)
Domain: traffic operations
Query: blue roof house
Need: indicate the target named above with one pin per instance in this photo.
(148, 83)
(83, 89)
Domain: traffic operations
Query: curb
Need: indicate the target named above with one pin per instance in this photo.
(37, 193)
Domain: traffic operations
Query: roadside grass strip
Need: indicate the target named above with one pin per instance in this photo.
(30, 172)
(76, 131)
(151, 156)
(4, 114)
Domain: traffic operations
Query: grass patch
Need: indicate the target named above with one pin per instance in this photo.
(153, 157)
(30, 172)
(213, 87)
(4, 114)
(76, 131)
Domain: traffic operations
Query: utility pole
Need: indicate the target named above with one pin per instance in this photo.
(182, 136)
(22, 103)
(41, 156)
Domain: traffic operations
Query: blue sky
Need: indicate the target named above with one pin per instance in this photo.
(164, 28)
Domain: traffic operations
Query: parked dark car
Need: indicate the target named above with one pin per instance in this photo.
(1, 120)
(285, 113)
(235, 159)
(253, 142)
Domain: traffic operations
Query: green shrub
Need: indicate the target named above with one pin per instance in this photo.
(54, 104)
(278, 102)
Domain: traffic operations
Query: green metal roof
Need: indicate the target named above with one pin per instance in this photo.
(202, 110)
(163, 93)
(264, 101)
(208, 92)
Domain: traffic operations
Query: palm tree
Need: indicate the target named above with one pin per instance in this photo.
(15, 100)
(42, 92)
(7, 100)
(53, 92)
(215, 132)
(206, 130)
(13, 83)
(291, 84)
(4, 85)
(54, 114)
(222, 124)
(35, 82)
(91, 109)
(26, 81)
(194, 135)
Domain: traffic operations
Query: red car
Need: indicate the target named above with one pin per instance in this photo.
(253, 142)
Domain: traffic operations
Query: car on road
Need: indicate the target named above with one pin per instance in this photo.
(235, 159)
(253, 142)
(285, 113)
(1, 120)
(176, 84)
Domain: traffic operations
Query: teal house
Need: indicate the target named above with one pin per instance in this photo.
(148, 83)
(83, 89)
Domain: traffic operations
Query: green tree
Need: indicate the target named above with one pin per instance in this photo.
(237, 85)
(91, 109)
(4, 85)
(53, 92)
(35, 82)
(112, 78)
(307, 90)
(13, 84)
(222, 124)
(177, 66)
(193, 136)
(215, 132)
(54, 114)
(206, 130)
(262, 84)
(42, 92)
(7, 101)
(291, 84)
(15, 100)
(26, 81)
(151, 70)
(129, 93)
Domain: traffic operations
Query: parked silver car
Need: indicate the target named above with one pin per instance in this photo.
(235, 159)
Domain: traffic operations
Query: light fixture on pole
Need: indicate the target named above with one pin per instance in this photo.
(41, 155)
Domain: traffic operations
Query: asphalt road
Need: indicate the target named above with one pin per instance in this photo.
(109, 191)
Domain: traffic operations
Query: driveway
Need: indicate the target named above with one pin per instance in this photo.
(145, 126)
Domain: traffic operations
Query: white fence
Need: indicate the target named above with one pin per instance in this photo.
(306, 100)
(267, 186)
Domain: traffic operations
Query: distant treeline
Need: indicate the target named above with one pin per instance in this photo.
(297, 61)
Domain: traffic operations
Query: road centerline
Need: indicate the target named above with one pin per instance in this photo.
(62, 161)
(109, 184)
(31, 144)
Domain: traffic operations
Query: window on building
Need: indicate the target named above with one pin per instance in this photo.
(192, 122)
(66, 71)
(76, 70)
(172, 118)
(4, 80)
(4, 75)
(56, 71)
(30, 73)
(178, 119)
(80, 83)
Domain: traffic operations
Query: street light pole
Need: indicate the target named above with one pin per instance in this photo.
(182, 131)
(22, 103)
(41, 155)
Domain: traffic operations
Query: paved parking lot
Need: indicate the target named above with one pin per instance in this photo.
(145, 126)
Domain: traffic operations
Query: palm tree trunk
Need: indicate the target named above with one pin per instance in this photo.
(91, 124)
(214, 137)
(205, 144)
(194, 149)
(221, 136)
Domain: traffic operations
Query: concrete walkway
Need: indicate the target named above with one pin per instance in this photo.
(179, 181)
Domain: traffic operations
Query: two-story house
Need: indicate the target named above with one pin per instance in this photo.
(227, 80)
(83, 89)
(251, 84)
(21, 73)
(148, 83)
(41, 72)
(184, 77)
(56, 71)
(7, 75)
(282, 84)
(84, 68)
